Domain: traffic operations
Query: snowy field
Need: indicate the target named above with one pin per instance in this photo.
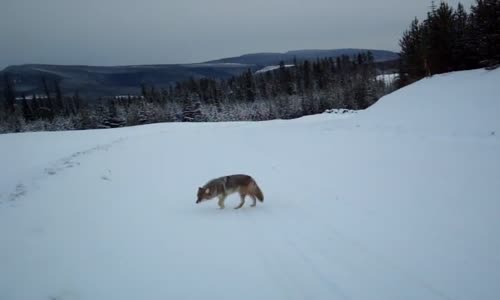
(400, 201)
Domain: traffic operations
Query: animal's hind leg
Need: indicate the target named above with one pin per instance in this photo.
(254, 201)
(242, 196)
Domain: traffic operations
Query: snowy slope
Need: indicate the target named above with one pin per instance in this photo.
(400, 201)
(457, 104)
(271, 68)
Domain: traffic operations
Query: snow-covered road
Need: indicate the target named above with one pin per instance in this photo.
(355, 208)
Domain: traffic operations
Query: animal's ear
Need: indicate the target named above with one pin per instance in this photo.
(207, 191)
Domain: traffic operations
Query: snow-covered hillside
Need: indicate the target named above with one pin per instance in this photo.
(401, 201)
(387, 78)
(454, 104)
(271, 68)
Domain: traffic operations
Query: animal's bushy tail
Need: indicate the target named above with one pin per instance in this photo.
(258, 192)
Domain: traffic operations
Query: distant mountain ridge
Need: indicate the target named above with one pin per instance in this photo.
(95, 81)
(270, 58)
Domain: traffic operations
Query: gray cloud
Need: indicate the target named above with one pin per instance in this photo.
(120, 32)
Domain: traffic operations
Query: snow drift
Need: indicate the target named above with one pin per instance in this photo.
(400, 201)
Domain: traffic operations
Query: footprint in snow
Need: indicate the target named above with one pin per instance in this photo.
(107, 177)
(18, 192)
(65, 295)
(64, 163)
(104, 177)
(50, 171)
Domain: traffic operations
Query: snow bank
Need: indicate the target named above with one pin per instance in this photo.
(459, 104)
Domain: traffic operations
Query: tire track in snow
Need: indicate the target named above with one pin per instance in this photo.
(332, 286)
(279, 260)
(375, 257)
(273, 261)
(60, 165)
(276, 261)
(268, 258)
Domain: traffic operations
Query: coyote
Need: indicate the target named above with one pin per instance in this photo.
(224, 186)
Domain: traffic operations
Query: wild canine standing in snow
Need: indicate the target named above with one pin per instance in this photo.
(224, 186)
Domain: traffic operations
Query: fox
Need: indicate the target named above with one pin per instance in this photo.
(224, 186)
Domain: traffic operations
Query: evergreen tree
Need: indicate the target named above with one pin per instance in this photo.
(59, 104)
(307, 76)
(486, 27)
(27, 110)
(46, 88)
(9, 93)
(412, 56)
(191, 111)
(249, 86)
(439, 39)
(460, 50)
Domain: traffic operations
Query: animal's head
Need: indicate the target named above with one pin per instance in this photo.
(203, 194)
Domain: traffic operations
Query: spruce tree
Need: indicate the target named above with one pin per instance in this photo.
(412, 63)
(486, 26)
(27, 110)
(249, 86)
(191, 111)
(439, 39)
(460, 49)
(9, 93)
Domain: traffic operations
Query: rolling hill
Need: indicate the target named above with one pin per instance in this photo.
(267, 59)
(95, 81)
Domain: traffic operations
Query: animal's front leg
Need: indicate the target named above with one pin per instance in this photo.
(221, 201)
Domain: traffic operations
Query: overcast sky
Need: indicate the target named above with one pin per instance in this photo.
(122, 32)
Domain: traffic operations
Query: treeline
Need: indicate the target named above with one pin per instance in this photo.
(451, 40)
(289, 91)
